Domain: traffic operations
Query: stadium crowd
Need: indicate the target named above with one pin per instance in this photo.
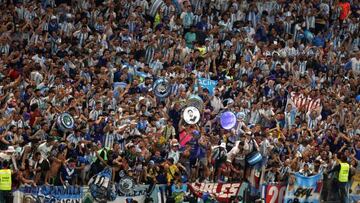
(98, 60)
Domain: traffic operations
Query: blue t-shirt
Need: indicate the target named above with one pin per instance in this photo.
(83, 160)
(65, 175)
(197, 151)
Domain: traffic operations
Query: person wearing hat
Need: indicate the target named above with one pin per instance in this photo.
(174, 152)
(53, 25)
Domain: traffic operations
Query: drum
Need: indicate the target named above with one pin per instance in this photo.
(162, 88)
(253, 158)
(65, 122)
(191, 115)
(227, 120)
(126, 185)
(195, 101)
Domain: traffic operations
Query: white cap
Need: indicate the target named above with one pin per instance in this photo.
(10, 149)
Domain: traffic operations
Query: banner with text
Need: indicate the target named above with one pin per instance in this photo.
(273, 192)
(208, 84)
(306, 102)
(302, 189)
(58, 194)
(222, 192)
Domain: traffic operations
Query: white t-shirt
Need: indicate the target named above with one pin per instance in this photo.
(44, 150)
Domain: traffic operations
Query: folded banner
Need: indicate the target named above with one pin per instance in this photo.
(354, 191)
(222, 192)
(302, 189)
(273, 192)
(301, 101)
(208, 84)
(44, 193)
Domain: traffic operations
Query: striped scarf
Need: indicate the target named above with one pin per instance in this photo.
(336, 13)
(252, 18)
(337, 42)
(132, 26)
(353, 27)
(29, 15)
(302, 66)
(161, 41)
(254, 117)
(277, 7)
(287, 27)
(149, 54)
(197, 18)
(239, 48)
(312, 123)
(310, 22)
(45, 27)
(210, 19)
(174, 89)
(355, 44)
(67, 28)
(94, 15)
(166, 10)
(295, 36)
(165, 52)
(197, 4)
(21, 13)
(82, 38)
(154, 7)
(109, 140)
(99, 27)
(54, 46)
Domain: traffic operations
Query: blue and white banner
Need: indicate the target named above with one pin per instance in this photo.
(57, 194)
(302, 189)
(74, 194)
(208, 84)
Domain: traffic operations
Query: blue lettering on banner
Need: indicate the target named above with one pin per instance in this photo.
(208, 84)
(57, 192)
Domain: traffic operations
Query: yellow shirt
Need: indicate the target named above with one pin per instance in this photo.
(170, 175)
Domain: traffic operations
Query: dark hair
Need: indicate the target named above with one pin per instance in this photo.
(34, 106)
